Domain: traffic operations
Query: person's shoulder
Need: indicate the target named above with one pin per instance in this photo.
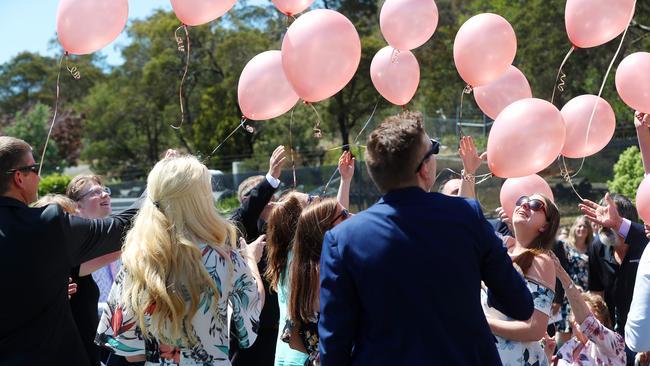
(543, 270)
(50, 213)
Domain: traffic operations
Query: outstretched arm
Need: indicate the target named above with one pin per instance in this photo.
(641, 122)
(471, 162)
(346, 169)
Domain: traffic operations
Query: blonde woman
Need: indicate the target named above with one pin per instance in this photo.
(170, 301)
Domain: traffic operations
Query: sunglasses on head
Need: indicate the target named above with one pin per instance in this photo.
(532, 203)
(435, 147)
(28, 168)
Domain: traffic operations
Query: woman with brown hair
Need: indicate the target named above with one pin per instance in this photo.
(301, 330)
(535, 222)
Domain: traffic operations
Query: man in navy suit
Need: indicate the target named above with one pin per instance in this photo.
(401, 281)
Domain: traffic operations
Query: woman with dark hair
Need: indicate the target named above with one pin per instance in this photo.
(301, 331)
(535, 222)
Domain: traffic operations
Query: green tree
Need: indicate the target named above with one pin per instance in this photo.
(33, 128)
(628, 173)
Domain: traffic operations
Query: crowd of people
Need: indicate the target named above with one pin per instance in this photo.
(419, 278)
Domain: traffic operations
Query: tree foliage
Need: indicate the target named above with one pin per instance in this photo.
(628, 173)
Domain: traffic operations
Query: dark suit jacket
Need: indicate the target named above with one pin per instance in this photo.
(38, 247)
(401, 283)
(247, 219)
(616, 281)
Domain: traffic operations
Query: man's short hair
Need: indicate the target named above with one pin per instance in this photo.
(625, 207)
(77, 184)
(247, 186)
(13, 153)
(393, 150)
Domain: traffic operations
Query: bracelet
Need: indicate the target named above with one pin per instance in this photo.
(467, 177)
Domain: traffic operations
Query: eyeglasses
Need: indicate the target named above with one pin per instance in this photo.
(28, 168)
(311, 199)
(96, 192)
(435, 147)
(532, 203)
(343, 216)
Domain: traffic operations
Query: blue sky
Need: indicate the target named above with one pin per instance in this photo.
(29, 25)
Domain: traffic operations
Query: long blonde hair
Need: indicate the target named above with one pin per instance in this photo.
(164, 271)
(571, 238)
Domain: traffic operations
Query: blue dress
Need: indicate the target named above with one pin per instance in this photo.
(284, 355)
(514, 353)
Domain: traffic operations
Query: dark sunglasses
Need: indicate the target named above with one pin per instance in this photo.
(343, 216)
(28, 168)
(435, 147)
(532, 203)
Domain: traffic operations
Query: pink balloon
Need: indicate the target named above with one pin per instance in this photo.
(292, 7)
(408, 24)
(395, 74)
(513, 188)
(576, 114)
(320, 54)
(264, 91)
(484, 48)
(643, 199)
(633, 81)
(509, 87)
(85, 26)
(590, 23)
(526, 137)
(197, 12)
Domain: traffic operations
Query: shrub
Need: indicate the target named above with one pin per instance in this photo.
(628, 173)
(54, 183)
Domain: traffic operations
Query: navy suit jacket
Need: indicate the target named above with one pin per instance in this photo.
(401, 281)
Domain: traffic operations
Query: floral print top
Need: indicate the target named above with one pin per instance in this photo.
(238, 294)
(514, 353)
(308, 336)
(579, 272)
(604, 348)
(578, 266)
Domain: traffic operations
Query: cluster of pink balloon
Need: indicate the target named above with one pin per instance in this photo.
(534, 130)
(405, 24)
(320, 53)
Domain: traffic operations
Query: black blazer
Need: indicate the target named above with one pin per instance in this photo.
(38, 247)
(246, 217)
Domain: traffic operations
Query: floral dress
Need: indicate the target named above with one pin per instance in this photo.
(579, 272)
(309, 337)
(514, 353)
(238, 294)
(605, 347)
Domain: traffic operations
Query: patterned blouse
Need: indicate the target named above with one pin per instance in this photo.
(515, 353)
(237, 293)
(605, 347)
(308, 336)
(579, 272)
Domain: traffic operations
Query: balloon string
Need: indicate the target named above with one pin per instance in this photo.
(483, 177)
(561, 76)
(293, 162)
(56, 111)
(240, 125)
(74, 71)
(354, 143)
(318, 133)
(181, 48)
(566, 175)
(600, 92)
(459, 125)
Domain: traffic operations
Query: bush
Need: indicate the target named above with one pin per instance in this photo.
(228, 205)
(628, 173)
(54, 183)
